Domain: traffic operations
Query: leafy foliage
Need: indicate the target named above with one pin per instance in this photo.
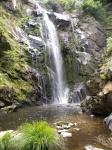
(68, 5)
(74, 5)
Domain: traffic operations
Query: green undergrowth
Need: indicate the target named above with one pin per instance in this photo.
(37, 136)
(32, 136)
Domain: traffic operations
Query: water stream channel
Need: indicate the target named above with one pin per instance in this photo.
(91, 127)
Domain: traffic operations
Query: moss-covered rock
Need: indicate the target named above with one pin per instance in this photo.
(16, 83)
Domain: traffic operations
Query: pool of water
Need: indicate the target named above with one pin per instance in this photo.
(90, 126)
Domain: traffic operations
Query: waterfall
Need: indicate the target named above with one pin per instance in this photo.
(55, 66)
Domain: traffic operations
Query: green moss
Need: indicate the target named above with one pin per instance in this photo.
(5, 80)
(102, 76)
(61, 123)
(21, 89)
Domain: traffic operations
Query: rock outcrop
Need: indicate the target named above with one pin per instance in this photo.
(108, 121)
(100, 89)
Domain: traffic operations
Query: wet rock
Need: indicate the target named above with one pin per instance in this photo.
(9, 109)
(92, 116)
(36, 42)
(2, 104)
(59, 127)
(70, 124)
(66, 126)
(95, 105)
(66, 134)
(108, 121)
(75, 124)
(90, 147)
(64, 130)
(62, 21)
(76, 129)
(78, 93)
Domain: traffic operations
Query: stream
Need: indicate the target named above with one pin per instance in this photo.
(90, 126)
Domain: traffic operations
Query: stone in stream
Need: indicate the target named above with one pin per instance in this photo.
(60, 131)
(75, 124)
(59, 127)
(90, 147)
(63, 125)
(66, 134)
(76, 129)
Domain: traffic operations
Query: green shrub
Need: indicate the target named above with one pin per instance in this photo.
(74, 5)
(95, 9)
(68, 5)
(5, 141)
(37, 136)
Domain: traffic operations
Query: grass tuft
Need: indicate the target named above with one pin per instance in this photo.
(37, 136)
(5, 141)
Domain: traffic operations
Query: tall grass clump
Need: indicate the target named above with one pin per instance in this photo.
(5, 141)
(37, 136)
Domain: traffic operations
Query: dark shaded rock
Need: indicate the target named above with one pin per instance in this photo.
(6, 96)
(62, 21)
(58, 8)
(98, 105)
(2, 104)
(108, 121)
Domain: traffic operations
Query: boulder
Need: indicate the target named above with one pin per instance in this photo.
(66, 134)
(9, 109)
(94, 104)
(108, 121)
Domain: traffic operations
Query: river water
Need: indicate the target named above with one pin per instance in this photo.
(90, 126)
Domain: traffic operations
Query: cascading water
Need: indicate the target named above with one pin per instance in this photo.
(55, 67)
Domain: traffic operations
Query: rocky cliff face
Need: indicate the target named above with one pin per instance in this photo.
(19, 83)
(23, 79)
(100, 84)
